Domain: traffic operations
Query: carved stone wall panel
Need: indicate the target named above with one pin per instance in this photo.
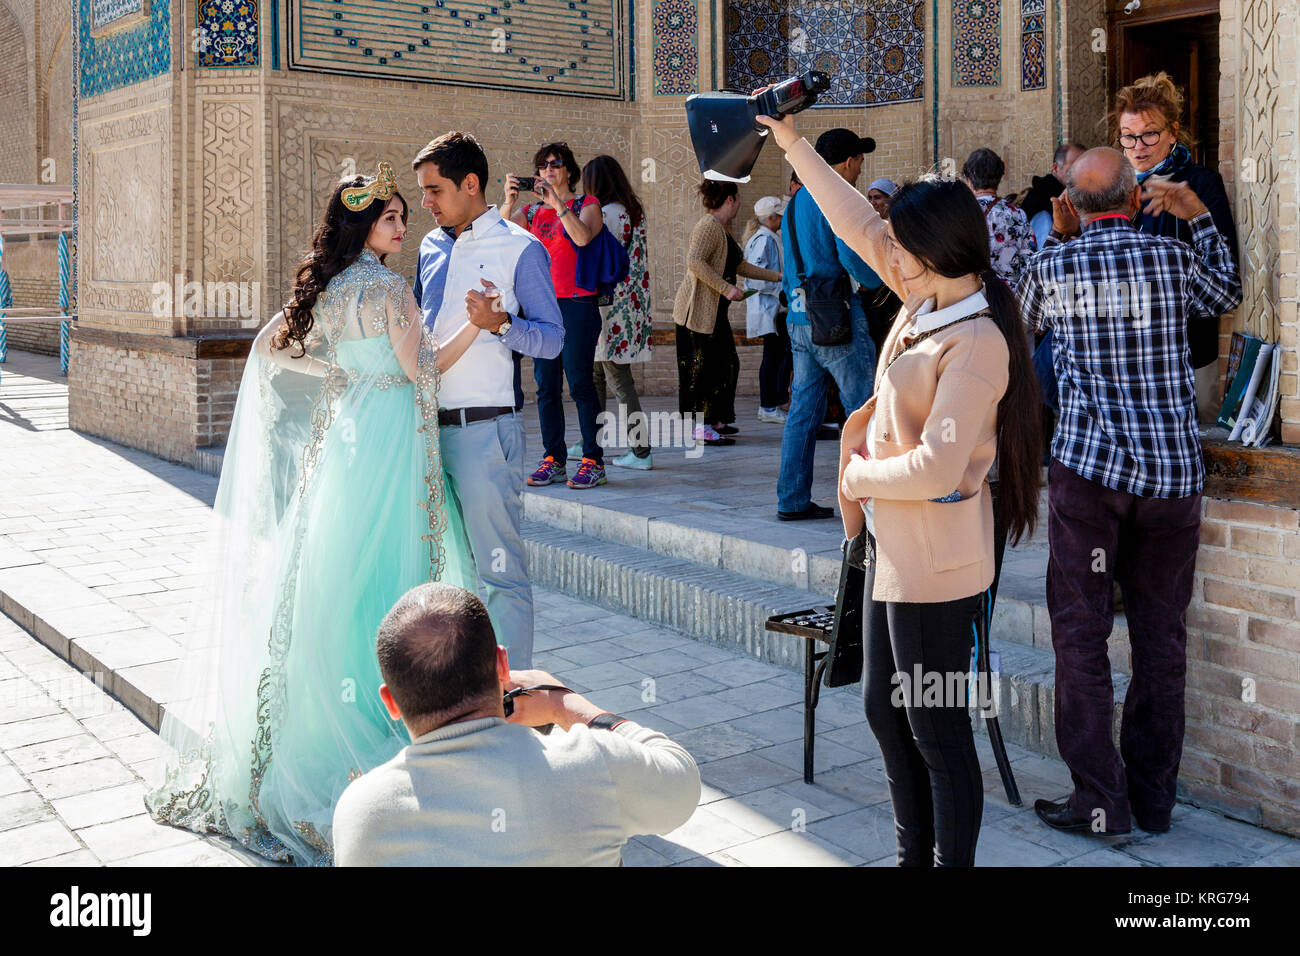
(232, 247)
(127, 214)
(1259, 139)
(1085, 71)
(674, 208)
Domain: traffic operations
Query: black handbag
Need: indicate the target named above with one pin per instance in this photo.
(826, 300)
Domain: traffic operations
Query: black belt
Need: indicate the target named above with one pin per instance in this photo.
(468, 416)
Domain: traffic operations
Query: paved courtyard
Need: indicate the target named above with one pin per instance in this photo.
(99, 558)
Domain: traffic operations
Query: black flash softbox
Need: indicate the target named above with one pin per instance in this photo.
(727, 139)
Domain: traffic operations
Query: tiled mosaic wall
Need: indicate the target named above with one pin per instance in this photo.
(1033, 44)
(127, 56)
(674, 25)
(873, 50)
(977, 43)
(552, 46)
(227, 33)
(105, 13)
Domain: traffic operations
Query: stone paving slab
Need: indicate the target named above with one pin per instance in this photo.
(75, 750)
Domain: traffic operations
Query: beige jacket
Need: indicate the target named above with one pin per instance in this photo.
(696, 305)
(935, 430)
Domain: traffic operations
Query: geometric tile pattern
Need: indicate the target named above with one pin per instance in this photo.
(873, 50)
(1033, 44)
(125, 56)
(104, 13)
(227, 33)
(556, 46)
(977, 43)
(674, 24)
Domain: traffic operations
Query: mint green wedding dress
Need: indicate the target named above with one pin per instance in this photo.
(331, 506)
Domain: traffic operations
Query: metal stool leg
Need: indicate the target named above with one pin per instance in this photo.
(809, 709)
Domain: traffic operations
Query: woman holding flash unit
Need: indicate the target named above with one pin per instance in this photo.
(954, 389)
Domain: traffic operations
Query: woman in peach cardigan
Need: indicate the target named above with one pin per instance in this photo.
(954, 389)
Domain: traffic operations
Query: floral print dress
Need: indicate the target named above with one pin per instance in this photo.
(626, 323)
(1011, 240)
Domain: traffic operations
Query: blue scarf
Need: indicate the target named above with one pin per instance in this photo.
(1178, 157)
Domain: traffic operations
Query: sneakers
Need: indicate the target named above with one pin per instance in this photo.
(548, 472)
(704, 435)
(589, 475)
(773, 415)
(574, 451)
(630, 460)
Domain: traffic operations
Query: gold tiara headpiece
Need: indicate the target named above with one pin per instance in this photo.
(382, 187)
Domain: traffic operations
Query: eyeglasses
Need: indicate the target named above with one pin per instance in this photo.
(1149, 138)
(551, 164)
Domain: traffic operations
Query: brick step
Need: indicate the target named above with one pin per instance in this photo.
(728, 609)
(750, 550)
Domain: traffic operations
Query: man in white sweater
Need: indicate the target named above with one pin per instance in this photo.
(476, 789)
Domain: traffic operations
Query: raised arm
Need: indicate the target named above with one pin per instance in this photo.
(851, 216)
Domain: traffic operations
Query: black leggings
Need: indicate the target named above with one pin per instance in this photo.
(928, 746)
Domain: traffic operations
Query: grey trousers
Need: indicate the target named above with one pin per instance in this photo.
(485, 467)
(619, 375)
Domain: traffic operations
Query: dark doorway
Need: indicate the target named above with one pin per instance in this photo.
(1180, 37)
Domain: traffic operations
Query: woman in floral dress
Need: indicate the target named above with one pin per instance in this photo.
(625, 319)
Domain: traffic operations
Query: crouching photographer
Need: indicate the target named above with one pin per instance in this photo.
(475, 788)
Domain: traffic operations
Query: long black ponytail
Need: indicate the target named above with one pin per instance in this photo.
(941, 224)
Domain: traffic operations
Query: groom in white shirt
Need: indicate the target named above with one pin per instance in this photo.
(483, 265)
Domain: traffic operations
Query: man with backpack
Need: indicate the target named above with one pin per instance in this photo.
(829, 339)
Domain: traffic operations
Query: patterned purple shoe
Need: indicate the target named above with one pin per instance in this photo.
(589, 475)
(548, 472)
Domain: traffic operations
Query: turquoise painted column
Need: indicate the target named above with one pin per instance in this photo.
(6, 301)
(65, 325)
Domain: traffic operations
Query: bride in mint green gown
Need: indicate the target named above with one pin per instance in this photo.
(331, 506)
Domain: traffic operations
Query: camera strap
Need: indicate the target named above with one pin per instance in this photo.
(799, 272)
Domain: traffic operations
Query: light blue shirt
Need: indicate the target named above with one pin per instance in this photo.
(539, 331)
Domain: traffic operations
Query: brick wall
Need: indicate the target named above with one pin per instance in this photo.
(17, 129)
(167, 396)
(1242, 748)
(39, 337)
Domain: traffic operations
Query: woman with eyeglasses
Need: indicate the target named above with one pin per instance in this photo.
(1146, 120)
(563, 221)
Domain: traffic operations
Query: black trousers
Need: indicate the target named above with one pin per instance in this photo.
(1098, 536)
(708, 370)
(927, 742)
(777, 366)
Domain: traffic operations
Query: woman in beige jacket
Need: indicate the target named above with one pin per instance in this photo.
(954, 389)
(707, 365)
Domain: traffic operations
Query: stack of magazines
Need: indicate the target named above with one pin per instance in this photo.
(1251, 389)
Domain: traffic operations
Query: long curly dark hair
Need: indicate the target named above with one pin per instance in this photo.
(941, 224)
(338, 242)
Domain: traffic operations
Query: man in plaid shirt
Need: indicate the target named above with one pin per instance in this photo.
(1126, 476)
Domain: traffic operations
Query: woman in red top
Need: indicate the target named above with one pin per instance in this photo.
(563, 222)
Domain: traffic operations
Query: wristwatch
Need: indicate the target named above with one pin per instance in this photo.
(502, 329)
(606, 721)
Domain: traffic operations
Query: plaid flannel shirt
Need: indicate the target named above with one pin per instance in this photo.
(1118, 302)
